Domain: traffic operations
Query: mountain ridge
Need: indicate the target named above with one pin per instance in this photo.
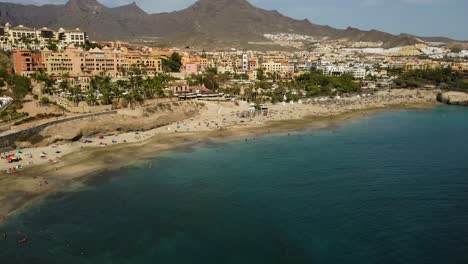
(211, 23)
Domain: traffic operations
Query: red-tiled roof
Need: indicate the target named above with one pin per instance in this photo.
(202, 89)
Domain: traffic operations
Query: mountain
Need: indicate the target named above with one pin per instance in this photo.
(230, 22)
(211, 23)
(389, 40)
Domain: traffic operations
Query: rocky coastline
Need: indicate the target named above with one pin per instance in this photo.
(453, 98)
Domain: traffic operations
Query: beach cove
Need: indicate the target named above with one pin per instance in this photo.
(388, 187)
(75, 159)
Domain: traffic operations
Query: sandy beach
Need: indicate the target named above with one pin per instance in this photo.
(52, 167)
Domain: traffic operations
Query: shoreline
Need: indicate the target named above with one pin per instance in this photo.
(79, 167)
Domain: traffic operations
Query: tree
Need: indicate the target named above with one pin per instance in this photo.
(64, 85)
(420, 77)
(45, 100)
(26, 41)
(250, 94)
(260, 75)
(210, 82)
(21, 87)
(91, 98)
(106, 98)
(173, 63)
(91, 45)
(315, 84)
(5, 66)
(135, 70)
(52, 45)
(212, 70)
(75, 92)
(5, 62)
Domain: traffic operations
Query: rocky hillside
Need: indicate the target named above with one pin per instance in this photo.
(219, 23)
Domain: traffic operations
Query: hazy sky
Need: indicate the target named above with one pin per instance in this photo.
(420, 17)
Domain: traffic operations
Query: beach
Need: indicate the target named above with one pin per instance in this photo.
(55, 166)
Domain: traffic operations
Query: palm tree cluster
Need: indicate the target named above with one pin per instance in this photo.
(104, 91)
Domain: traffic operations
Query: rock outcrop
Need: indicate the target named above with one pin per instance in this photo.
(453, 98)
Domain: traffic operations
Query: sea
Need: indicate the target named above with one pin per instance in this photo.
(391, 187)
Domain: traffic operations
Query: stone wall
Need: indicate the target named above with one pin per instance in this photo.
(10, 139)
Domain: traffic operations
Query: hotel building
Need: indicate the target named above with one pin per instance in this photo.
(26, 63)
(19, 37)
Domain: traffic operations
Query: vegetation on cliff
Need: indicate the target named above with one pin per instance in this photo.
(444, 78)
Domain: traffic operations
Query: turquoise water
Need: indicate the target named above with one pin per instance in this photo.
(391, 188)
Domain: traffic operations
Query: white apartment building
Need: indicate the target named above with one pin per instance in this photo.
(245, 62)
(4, 43)
(16, 34)
(253, 75)
(358, 73)
(23, 37)
(272, 66)
(333, 70)
(225, 69)
(75, 36)
(18, 37)
(287, 68)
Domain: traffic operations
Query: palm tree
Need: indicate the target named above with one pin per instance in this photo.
(75, 92)
(118, 89)
(91, 98)
(148, 89)
(250, 93)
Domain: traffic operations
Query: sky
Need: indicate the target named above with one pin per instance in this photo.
(447, 18)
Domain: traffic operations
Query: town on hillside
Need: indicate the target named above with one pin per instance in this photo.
(244, 131)
(47, 75)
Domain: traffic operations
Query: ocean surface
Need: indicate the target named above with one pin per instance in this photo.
(388, 188)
